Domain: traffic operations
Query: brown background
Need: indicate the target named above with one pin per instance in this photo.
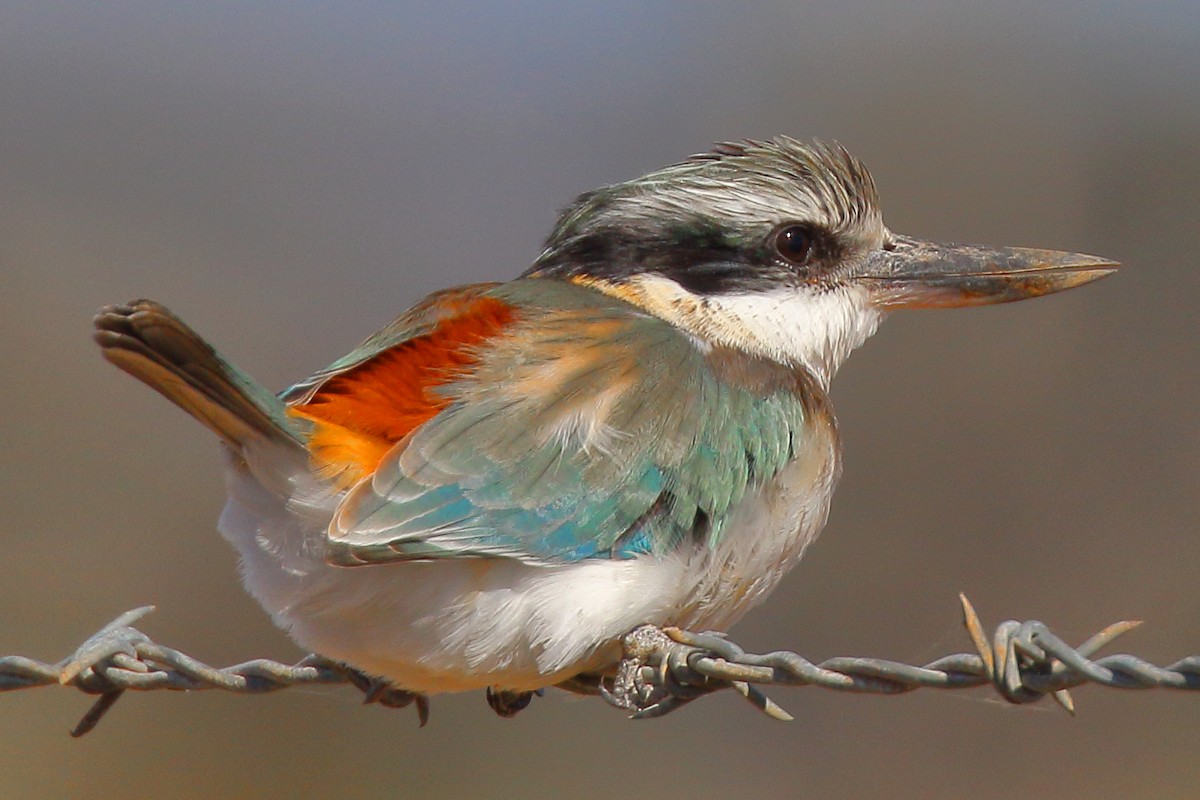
(289, 177)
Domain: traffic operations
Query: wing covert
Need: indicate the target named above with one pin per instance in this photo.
(584, 428)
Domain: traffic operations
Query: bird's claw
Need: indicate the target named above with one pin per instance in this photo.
(640, 682)
(386, 693)
(508, 703)
(659, 674)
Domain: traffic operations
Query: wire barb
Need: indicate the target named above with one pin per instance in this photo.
(663, 669)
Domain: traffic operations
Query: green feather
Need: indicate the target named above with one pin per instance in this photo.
(505, 473)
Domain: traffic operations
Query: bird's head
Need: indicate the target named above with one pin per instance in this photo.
(779, 249)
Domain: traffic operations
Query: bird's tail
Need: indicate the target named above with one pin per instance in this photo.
(153, 345)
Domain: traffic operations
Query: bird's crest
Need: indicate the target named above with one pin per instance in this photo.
(835, 176)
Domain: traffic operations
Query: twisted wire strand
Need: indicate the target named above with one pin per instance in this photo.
(662, 670)
(1023, 662)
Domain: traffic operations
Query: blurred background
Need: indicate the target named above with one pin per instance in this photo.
(290, 176)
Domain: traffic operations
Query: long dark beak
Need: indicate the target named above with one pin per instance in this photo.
(911, 273)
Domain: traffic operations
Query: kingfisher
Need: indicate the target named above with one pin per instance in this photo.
(495, 488)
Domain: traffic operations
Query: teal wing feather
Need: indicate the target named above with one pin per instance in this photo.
(590, 429)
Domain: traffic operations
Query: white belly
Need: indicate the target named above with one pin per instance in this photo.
(460, 624)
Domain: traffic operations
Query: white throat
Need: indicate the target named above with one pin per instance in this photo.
(817, 330)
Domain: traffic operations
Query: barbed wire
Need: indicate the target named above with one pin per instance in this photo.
(1023, 662)
(662, 670)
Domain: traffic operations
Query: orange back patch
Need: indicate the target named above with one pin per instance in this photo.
(362, 413)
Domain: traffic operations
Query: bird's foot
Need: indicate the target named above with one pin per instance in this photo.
(386, 693)
(660, 673)
(507, 703)
(653, 677)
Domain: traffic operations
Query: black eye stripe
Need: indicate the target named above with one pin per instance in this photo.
(699, 254)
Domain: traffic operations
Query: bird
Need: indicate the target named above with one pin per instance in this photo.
(492, 490)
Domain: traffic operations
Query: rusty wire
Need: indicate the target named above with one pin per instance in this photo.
(662, 670)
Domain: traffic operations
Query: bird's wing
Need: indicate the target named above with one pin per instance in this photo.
(438, 309)
(570, 426)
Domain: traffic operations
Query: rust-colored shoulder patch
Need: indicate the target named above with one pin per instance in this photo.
(361, 413)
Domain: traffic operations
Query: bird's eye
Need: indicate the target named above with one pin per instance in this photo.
(794, 244)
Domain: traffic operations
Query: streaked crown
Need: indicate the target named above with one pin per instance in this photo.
(712, 222)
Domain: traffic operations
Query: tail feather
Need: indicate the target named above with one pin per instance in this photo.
(156, 347)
